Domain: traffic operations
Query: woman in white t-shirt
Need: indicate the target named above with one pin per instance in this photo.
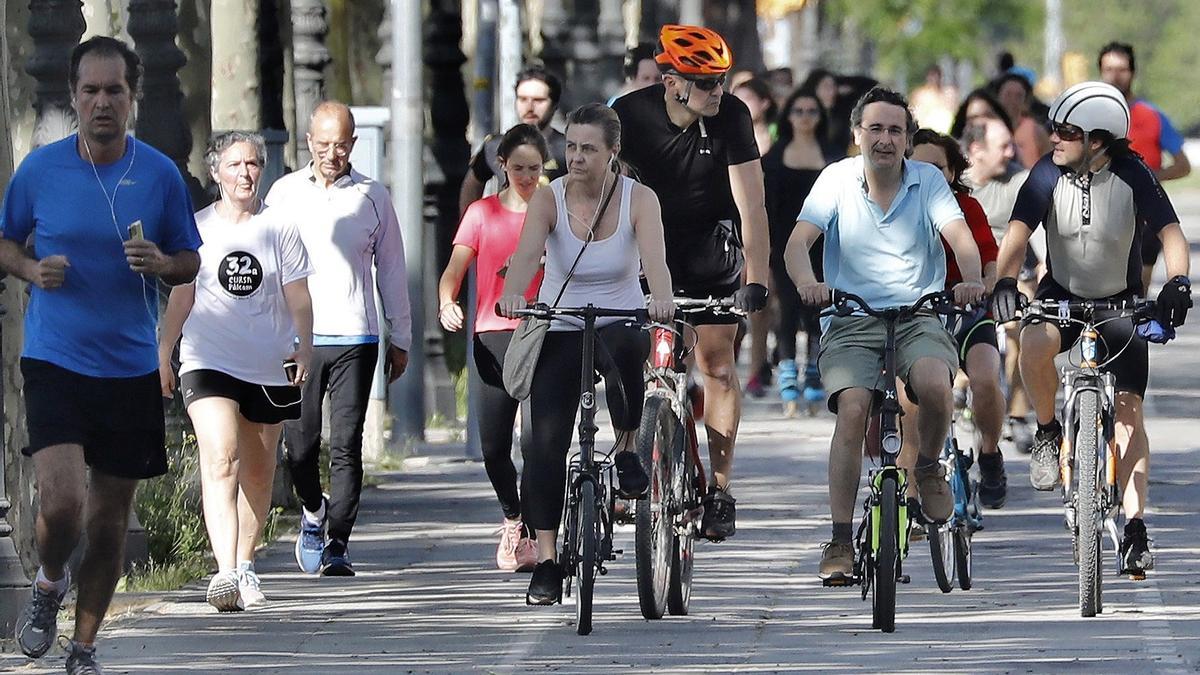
(247, 343)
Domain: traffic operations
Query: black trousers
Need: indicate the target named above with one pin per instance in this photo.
(497, 411)
(554, 404)
(346, 374)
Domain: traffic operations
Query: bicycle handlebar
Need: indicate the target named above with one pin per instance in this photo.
(941, 302)
(1071, 309)
(546, 312)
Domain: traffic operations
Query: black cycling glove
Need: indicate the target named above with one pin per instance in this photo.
(1006, 300)
(1173, 301)
(750, 298)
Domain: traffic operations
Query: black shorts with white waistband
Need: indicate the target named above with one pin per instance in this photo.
(258, 403)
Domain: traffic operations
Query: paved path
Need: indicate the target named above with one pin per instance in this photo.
(428, 599)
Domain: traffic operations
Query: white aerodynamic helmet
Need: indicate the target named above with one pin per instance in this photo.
(1091, 106)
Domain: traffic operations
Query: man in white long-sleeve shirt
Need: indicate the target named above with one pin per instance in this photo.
(348, 225)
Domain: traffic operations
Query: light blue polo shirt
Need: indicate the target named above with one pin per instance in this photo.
(888, 259)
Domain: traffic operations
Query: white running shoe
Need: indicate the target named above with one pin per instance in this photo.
(250, 586)
(224, 593)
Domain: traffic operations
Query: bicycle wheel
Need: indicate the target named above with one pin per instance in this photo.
(685, 477)
(1088, 518)
(941, 550)
(883, 589)
(585, 561)
(962, 556)
(654, 524)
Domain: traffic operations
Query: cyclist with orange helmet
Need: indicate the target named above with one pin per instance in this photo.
(693, 144)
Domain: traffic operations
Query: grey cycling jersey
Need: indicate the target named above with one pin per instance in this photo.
(1095, 223)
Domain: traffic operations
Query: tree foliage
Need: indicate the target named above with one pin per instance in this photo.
(910, 35)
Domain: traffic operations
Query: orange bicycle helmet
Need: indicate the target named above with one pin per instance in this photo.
(692, 50)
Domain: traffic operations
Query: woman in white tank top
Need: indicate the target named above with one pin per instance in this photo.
(627, 234)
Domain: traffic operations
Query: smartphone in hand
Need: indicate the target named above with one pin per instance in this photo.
(135, 231)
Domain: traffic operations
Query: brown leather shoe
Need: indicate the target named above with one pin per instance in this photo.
(937, 502)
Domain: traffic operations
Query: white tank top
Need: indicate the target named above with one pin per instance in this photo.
(607, 273)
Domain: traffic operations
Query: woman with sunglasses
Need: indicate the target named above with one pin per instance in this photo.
(790, 168)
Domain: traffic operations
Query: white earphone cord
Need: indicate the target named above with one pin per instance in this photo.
(112, 207)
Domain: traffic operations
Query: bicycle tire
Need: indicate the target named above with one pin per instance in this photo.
(1088, 518)
(585, 571)
(654, 522)
(962, 557)
(679, 585)
(883, 594)
(942, 552)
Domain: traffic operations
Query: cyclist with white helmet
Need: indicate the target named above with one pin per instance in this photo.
(1097, 201)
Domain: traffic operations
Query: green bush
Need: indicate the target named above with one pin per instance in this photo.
(169, 507)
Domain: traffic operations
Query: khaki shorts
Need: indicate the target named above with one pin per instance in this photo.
(852, 351)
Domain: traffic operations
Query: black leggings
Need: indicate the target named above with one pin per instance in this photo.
(497, 410)
(554, 403)
(794, 316)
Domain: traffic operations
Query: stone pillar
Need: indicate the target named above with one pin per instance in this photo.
(160, 122)
(235, 76)
(654, 14)
(593, 77)
(55, 26)
(555, 42)
(611, 33)
(309, 26)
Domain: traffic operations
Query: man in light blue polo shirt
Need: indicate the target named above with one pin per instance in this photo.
(882, 215)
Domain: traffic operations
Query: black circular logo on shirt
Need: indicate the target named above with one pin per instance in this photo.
(240, 273)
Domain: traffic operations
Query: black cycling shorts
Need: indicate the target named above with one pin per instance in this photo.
(1118, 340)
(980, 331)
(258, 403)
(117, 420)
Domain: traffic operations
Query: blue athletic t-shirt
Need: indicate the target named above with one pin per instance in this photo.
(101, 321)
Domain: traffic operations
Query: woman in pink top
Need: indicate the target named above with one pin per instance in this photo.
(488, 237)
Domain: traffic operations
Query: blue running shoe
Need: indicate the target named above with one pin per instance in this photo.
(335, 560)
(310, 543)
(789, 390)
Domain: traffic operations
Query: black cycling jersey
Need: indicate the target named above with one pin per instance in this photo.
(486, 164)
(689, 171)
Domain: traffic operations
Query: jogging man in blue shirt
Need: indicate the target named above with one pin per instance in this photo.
(105, 216)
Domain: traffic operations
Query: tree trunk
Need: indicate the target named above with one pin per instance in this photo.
(235, 79)
(195, 80)
(737, 22)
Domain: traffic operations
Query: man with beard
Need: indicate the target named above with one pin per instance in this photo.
(106, 216)
(538, 93)
(693, 144)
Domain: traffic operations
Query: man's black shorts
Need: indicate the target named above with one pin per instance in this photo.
(117, 420)
(261, 404)
(975, 331)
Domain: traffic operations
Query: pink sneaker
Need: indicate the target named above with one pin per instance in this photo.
(510, 538)
(527, 557)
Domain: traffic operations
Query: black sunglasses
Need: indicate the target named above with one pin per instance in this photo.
(1065, 132)
(706, 83)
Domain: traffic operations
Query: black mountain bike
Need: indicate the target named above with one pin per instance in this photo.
(587, 543)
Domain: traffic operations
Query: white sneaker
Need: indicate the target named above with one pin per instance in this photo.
(249, 586)
(224, 593)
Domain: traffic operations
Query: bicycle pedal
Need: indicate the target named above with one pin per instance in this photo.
(903, 579)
